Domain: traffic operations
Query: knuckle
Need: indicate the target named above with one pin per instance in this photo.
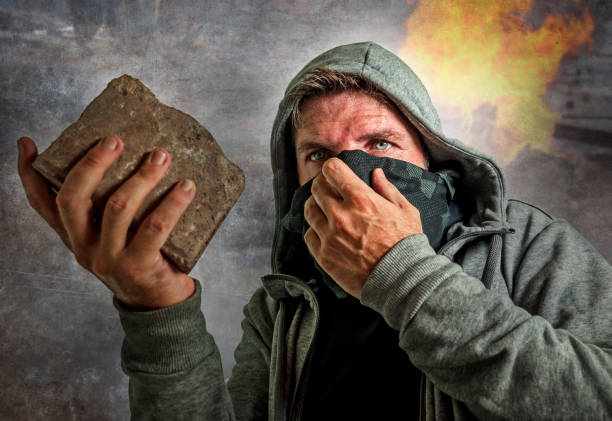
(117, 203)
(307, 237)
(362, 202)
(409, 207)
(308, 205)
(177, 201)
(348, 191)
(402, 202)
(156, 225)
(93, 159)
(63, 199)
(314, 240)
(341, 223)
(358, 201)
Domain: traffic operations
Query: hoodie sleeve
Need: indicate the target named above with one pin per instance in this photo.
(483, 349)
(175, 369)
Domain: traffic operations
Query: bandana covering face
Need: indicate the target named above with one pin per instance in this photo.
(431, 193)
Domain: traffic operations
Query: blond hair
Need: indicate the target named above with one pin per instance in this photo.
(320, 81)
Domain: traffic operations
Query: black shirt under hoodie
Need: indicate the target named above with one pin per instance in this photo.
(357, 370)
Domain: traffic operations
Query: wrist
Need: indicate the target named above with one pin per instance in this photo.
(404, 278)
(158, 298)
(167, 340)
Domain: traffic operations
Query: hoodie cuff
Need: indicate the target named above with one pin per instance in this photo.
(164, 341)
(404, 278)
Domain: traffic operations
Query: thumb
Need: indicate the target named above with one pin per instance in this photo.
(386, 189)
(37, 190)
(27, 153)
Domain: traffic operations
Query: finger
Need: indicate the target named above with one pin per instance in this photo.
(386, 189)
(74, 198)
(38, 192)
(121, 207)
(342, 179)
(314, 216)
(313, 242)
(155, 229)
(325, 196)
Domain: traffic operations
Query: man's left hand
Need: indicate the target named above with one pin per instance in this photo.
(352, 226)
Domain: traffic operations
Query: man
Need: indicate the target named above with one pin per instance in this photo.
(427, 293)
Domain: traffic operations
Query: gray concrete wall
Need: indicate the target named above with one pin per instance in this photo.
(226, 64)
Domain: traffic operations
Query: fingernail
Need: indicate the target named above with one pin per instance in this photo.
(109, 143)
(20, 146)
(187, 185)
(158, 158)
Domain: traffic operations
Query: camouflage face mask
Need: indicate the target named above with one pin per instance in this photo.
(431, 193)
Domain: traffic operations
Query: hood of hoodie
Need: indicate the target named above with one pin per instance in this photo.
(481, 191)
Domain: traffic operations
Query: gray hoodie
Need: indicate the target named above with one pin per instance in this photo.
(511, 319)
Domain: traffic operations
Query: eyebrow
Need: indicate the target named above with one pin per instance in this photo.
(381, 134)
(306, 146)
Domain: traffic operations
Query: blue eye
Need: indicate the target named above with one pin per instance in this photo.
(316, 156)
(381, 145)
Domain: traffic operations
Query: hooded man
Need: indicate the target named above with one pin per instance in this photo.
(417, 290)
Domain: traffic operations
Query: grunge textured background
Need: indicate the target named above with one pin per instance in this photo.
(544, 110)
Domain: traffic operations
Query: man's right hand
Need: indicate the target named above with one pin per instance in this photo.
(129, 264)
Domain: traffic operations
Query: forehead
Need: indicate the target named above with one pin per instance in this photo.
(344, 104)
(347, 113)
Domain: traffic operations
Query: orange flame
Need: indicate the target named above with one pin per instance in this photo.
(487, 71)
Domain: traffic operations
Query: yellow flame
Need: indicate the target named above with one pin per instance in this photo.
(487, 71)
